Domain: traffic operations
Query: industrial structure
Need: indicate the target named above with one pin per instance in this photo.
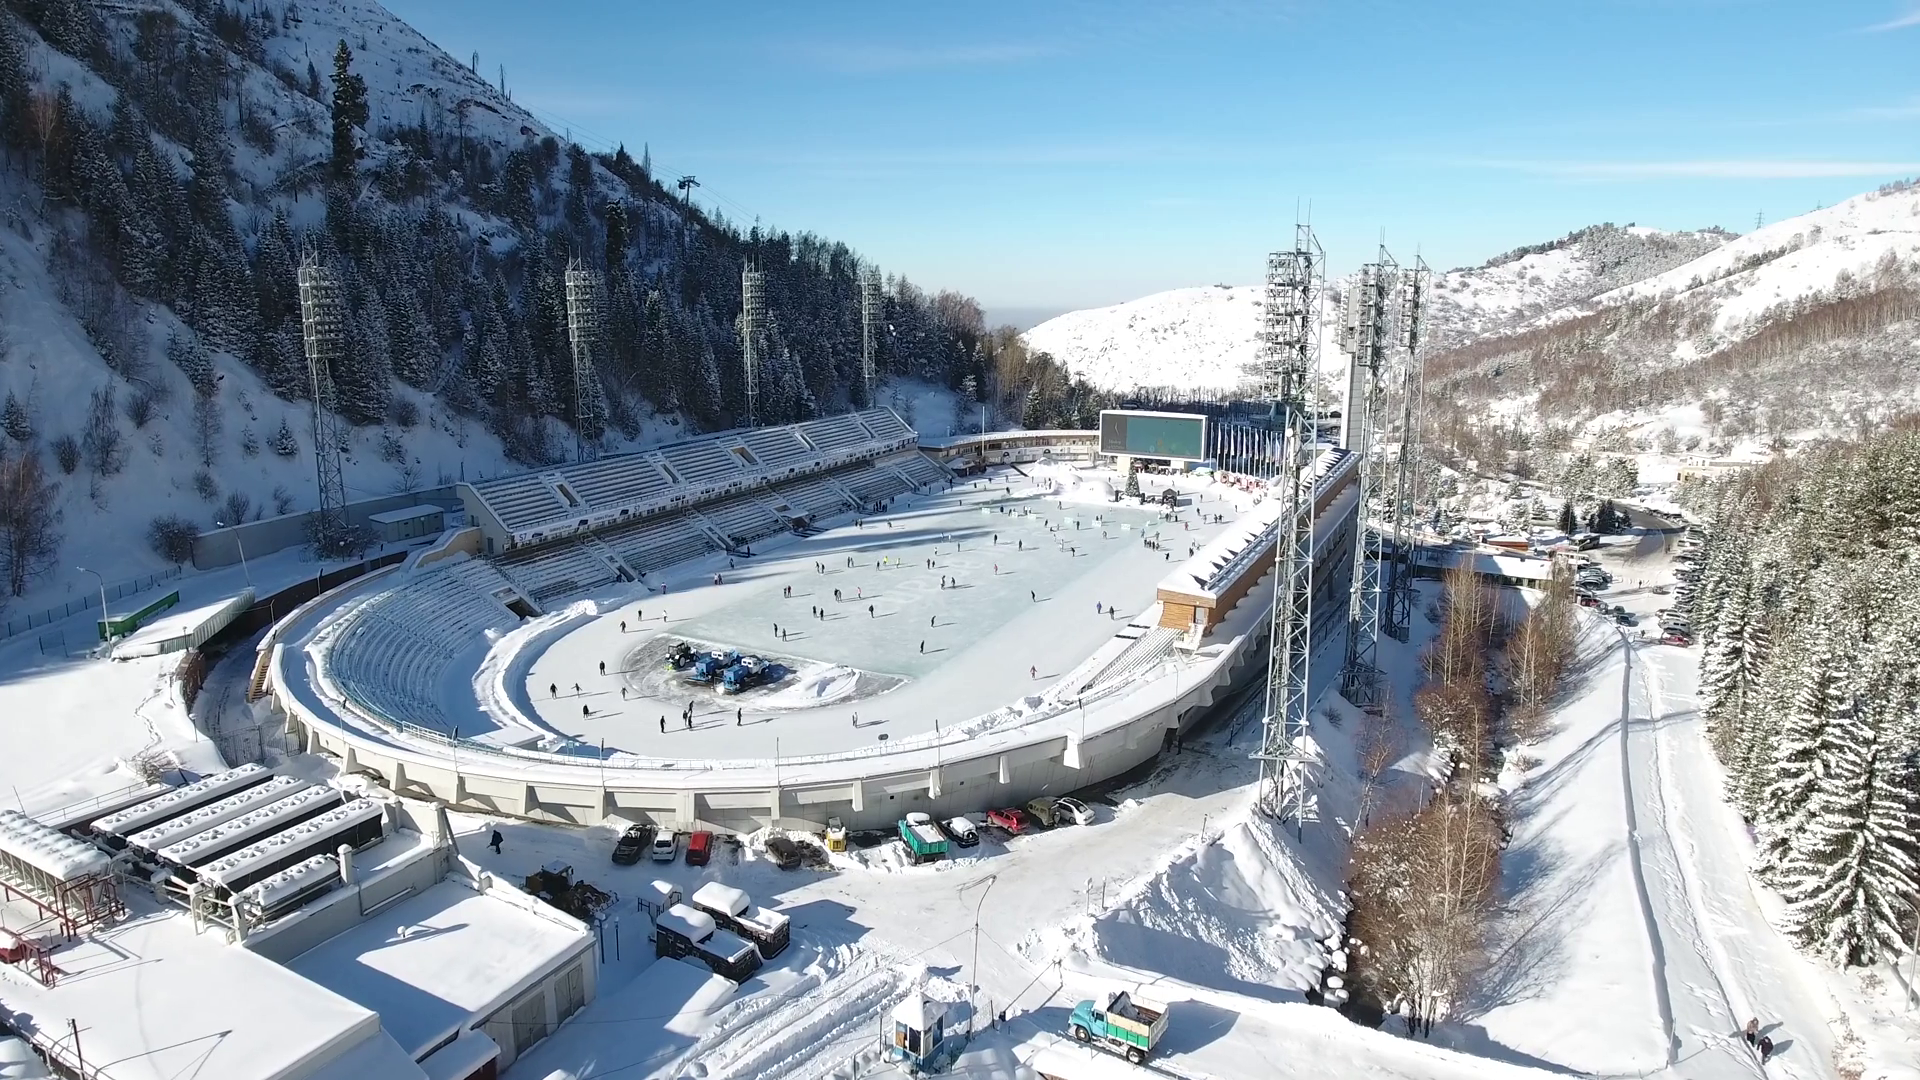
(872, 325)
(753, 334)
(583, 338)
(1368, 336)
(323, 329)
(1396, 618)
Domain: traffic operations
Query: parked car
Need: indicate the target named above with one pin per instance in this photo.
(632, 844)
(1626, 618)
(1042, 810)
(961, 831)
(786, 854)
(1662, 590)
(665, 847)
(1067, 808)
(1676, 637)
(1013, 819)
(1588, 600)
(699, 848)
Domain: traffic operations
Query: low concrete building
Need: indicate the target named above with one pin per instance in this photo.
(408, 522)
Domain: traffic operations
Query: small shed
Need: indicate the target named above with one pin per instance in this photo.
(657, 896)
(919, 1035)
(408, 522)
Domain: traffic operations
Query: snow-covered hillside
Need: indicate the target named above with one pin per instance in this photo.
(1202, 339)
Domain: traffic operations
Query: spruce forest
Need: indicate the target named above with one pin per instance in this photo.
(1808, 602)
(198, 163)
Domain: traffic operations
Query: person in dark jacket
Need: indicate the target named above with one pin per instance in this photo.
(495, 841)
(1766, 1048)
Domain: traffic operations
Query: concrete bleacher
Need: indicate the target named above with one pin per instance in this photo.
(613, 480)
(775, 447)
(921, 469)
(701, 463)
(884, 423)
(872, 483)
(554, 570)
(397, 644)
(521, 500)
(744, 518)
(653, 543)
(814, 497)
(836, 432)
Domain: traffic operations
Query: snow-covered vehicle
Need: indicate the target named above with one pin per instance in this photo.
(708, 667)
(923, 840)
(665, 847)
(747, 673)
(632, 844)
(1124, 1025)
(680, 656)
(1067, 808)
(961, 831)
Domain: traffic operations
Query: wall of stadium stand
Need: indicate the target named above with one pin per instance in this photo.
(222, 547)
(860, 788)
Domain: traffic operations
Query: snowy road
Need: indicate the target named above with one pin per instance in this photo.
(1718, 957)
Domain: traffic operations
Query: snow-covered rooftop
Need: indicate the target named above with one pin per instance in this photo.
(717, 897)
(435, 963)
(53, 853)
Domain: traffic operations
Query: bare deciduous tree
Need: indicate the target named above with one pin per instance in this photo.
(29, 522)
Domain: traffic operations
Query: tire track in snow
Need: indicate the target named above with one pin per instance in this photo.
(1637, 862)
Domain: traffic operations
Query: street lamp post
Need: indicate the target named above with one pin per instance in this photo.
(105, 632)
(973, 970)
(241, 544)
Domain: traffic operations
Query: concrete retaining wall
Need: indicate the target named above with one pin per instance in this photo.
(222, 547)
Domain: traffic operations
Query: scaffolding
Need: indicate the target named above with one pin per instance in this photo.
(1397, 616)
(871, 314)
(753, 333)
(323, 328)
(583, 336)
(1289, 344)
(1368, 335)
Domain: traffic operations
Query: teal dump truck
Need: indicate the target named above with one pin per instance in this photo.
(1126, 1025)
(925, 842)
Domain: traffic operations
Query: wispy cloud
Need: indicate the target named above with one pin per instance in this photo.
(1902, 22)
(1719, 170)
(877, 58)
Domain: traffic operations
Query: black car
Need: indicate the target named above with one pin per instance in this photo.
(786, 854)
(633, 844)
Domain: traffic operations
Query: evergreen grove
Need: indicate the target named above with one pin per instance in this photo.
(1808, 604)
(451, 248)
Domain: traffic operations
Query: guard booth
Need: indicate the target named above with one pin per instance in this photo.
(120, 624)
(918, 1037)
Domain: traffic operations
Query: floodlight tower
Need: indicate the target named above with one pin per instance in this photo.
(583, 335)
(1369, 334)
(753, 332)
(1397, 616)
(323, 329)
(1289, 339)
(870, 328)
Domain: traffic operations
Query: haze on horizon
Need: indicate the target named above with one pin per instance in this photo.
(1049, 157)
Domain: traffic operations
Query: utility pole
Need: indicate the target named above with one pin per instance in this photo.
(973, 969)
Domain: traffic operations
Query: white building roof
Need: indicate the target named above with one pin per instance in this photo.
(162, 1002)
(377, 1058)
(53, 853)
(441, 960)
(690, 923)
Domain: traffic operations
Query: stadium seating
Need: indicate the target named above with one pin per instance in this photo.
(396, 645)
(652, 543)
(814, 497)
(554, 570)
(873, 484)
(884, 423)
(743, 519)
(611, 481)
(922, 470)
(701, 463)
(776, 447)
(835, 432)
(520, 501)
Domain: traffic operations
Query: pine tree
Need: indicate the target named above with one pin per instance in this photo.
(349, 112)
(14, 419)
(285, 443)
(1815, 702)
(1568, 523)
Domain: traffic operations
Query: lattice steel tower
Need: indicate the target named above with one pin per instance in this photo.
(323, 328)
(1289, 345)
(1368, 332)
(1397, 616)
(583, 336)
(753, 333)
(871, 314)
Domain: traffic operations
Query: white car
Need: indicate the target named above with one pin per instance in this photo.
(665, 847)
(1073, 810)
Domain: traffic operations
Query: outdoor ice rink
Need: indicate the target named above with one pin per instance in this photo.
(1024, 573)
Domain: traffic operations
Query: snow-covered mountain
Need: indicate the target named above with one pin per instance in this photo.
(162, 167)
(1203, 338)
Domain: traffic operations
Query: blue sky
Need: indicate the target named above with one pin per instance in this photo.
(1064, 154)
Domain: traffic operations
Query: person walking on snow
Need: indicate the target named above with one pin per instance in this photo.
(1766, 1048)
(1753, 1031)
(603, 667)
(663, 723)
(1033, 673)
(553, 689)
(623, 626)
(495, 841)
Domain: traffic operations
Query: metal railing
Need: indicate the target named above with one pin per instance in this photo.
(23, 623)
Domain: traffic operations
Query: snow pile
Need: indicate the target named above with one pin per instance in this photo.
(1235, 910)
(814, 687)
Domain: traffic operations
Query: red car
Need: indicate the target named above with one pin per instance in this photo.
(699, 848)
(1675, 638)
(1013, 819)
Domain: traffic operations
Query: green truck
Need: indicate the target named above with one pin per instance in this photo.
(924, 840)
(1125, 1025)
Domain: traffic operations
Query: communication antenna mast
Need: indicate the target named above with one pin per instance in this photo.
(583, 335)
(686, 184)
(323, 329)
(1369, 333)
(1397, 616)
(1289, 345)
(870, 328)
(753, 331)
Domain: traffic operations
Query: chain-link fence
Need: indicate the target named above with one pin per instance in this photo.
(20, 624)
